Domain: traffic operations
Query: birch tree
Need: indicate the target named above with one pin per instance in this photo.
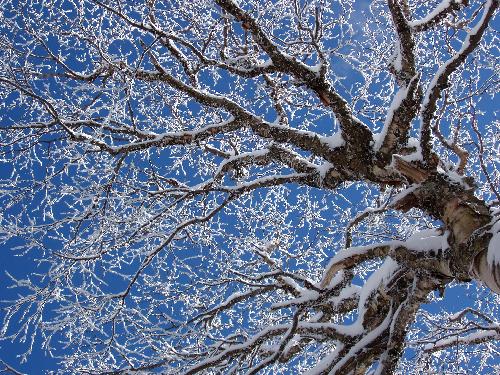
(238, 186)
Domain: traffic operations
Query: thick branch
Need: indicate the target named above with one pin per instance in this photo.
(439, 13)
(355, 133)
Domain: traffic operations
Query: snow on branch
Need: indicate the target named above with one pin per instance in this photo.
(437, 14)
(440, 80)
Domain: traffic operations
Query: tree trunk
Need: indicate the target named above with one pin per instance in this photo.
(467, 220)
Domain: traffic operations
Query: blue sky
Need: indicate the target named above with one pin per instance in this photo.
(21, 265)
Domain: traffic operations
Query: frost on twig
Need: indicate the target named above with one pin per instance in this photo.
(245, 186)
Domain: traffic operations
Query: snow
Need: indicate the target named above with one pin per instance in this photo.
(289, 346)
(414, 156)
(312, 68)
(316, 68)
(343, 330)
(267, 63)
(324, 364)
(427, 240)
(442, 69)
(473, 337)
(413, 142)
(396, 103)
(305, 296)
(374, 281)
(402, 194)
(434, 80)
(397, 62)
(465, 45)
(376, 278)
(276, 125)
(347, 253)
(334, 141)
(155, 138)
(245, 155)
(338, 328)
(439, 9)
(337, 279)
(421, 241)
(350, 291)
(324, 168)
(367, 210)
(265, 180)
(454, 177)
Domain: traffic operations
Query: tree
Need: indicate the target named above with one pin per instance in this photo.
(241, 186)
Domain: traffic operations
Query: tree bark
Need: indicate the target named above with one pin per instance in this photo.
(466, 218)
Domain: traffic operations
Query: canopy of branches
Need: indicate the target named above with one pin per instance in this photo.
(239, 186)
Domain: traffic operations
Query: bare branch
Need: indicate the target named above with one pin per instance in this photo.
(440, 79)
